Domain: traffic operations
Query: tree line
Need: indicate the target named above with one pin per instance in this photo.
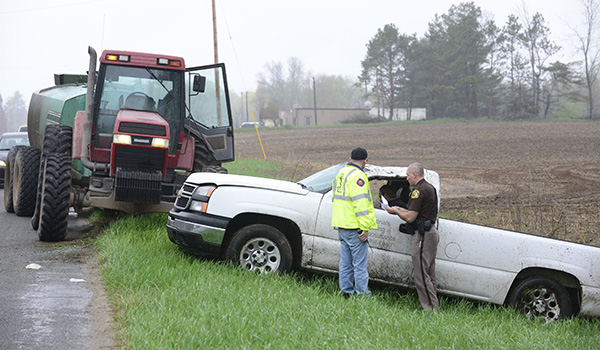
(465, 66)
(13, 113)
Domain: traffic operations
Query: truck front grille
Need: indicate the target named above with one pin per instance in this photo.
(185, 196)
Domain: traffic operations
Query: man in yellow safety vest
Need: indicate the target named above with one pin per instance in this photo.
(353, 216)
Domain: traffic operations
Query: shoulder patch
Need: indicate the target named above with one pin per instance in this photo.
(415, 194)
(360, 182)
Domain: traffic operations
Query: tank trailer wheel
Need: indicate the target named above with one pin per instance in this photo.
(54, 204)
(57, 139)
(8, 186)
(25, 172)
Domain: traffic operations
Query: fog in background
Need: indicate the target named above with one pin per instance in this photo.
(42, 37)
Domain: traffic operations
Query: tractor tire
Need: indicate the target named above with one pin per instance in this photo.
(214, 169)
(203, 156)
(54, 200)
(24, 185)
(58, 139)
(8, 187)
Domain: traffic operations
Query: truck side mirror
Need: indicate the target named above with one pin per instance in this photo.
(199, 84)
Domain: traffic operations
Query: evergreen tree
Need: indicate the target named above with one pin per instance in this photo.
(382, 66)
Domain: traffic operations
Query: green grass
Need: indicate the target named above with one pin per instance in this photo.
(167, 299)
(253, 167)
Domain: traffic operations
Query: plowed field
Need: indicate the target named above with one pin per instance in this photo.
(536, 177)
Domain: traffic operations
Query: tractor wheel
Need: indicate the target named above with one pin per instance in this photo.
(8, 187)
(54, 199)
(203, 156)
(214, 169)
(25, 172)
(58, 139)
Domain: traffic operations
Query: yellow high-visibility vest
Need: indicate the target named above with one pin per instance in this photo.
(352, 202)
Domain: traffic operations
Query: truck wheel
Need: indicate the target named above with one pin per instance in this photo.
(214, 169)
(8, 174)
(25, 173)
(54, 200)
(542, 297)
(57, 139)
(260, 248)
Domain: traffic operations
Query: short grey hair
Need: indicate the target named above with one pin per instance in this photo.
(416, 168)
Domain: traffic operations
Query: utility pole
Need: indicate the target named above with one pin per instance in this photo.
(216, 48)
(315, 99)
(247, 114)
(217, 75)
(242, 107)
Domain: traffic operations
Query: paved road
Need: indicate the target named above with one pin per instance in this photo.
(46, 308)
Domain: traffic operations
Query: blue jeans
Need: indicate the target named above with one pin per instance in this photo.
(354, 277)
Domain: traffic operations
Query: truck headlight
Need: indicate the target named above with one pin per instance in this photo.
(200, 198)
(158, 142)
(2, 164)
(124, 139)
(198, 206)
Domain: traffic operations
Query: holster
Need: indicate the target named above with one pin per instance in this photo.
(418, 225)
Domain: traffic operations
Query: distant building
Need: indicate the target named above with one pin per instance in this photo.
(325, 116)
(329, 116)
(401, 113)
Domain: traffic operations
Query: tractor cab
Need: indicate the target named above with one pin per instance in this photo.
(148, 101)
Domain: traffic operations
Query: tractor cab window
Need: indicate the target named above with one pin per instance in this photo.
(139, 89)
(209, 108)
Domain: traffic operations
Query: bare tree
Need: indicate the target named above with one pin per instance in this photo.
(588, 46)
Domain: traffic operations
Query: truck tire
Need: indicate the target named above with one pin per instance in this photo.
(54, 199)
(24, 184)
(58, 139)
(543, 297)
(8, 187)
(260, 248)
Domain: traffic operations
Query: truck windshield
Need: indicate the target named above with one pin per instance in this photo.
(138, 88)
(321, 182)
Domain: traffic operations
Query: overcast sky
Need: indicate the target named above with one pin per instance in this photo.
(41, 37)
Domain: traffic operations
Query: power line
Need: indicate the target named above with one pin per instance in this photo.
(233, 46)
(48, 7)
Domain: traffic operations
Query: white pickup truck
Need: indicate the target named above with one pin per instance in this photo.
(271, 225)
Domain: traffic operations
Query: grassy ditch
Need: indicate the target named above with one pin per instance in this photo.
(166, 299)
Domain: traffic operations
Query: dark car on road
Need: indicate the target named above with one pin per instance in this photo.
(8, 140)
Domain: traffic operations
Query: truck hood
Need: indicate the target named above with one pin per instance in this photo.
(245, 181)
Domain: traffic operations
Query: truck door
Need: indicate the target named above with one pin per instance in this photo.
(209, 110)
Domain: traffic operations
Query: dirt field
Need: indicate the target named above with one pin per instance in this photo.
(536, 177)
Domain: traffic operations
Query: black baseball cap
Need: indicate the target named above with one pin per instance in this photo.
(359, 153)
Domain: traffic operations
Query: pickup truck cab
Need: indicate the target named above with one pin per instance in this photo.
(270, 225)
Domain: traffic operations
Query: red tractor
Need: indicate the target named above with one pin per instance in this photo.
(122, 138)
